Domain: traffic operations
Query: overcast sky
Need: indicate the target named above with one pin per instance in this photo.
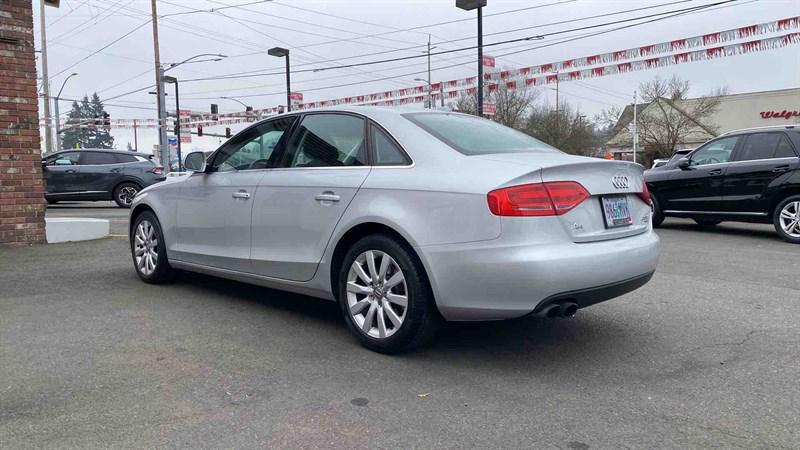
(318, 30)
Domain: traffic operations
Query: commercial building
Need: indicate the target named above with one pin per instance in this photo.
(737, 111)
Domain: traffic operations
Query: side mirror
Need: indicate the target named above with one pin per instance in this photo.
(195, 161)
(684, 163)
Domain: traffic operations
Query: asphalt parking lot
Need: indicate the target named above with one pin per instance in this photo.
(706, 355)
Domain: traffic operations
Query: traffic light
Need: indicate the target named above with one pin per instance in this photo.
(107, 121)
(214, 108)
(177, 129)
(227, 132)
(199, 130)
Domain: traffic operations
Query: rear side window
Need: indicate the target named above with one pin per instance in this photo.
(65, 159)
(785, 148)
(472, 135)
(759, 146)
(122, 158)
(97, 158)
(387, 153)
(328, 140)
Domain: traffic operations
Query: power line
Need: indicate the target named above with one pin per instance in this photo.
(571, 39)
(100, 49)
(508, 41)
(472, 37)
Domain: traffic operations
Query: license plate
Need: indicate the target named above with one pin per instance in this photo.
(616, 211)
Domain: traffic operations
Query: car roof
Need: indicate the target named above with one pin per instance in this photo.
(104, 150)
(794, 127)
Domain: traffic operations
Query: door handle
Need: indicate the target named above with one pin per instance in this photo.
(70, 171)
(715, 172)
(241, 194)
(780, 169)
(327, 197)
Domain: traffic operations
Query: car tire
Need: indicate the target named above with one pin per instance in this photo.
(149, 251)
(374, 312)
(707, 222)
(658, 215)
(787, 213)
(125, 192)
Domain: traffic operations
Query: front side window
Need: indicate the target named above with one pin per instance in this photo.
(472, 135)
(327, 140)
(65, 159)
(387, 153)
(715, 152)
(759, 146)
(253, 149)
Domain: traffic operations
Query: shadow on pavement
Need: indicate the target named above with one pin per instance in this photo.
(577, 340)
(725, 228)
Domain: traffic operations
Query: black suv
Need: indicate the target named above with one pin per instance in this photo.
(748, 175)
(95, 175)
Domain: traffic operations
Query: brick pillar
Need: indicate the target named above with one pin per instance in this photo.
(22, 203)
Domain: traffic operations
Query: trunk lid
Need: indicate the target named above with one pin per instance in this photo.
(620, 182)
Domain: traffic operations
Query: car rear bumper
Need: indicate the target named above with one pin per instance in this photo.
(493, 280)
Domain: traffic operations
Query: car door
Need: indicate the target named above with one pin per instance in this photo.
(99, 171)
(698, 187)
(299, 204)
(215, 206)
(61, 174)
(758, 165)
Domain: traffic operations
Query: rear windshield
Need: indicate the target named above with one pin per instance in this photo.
(472, 135)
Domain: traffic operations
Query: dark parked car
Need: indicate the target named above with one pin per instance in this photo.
(95, 175)
(748, 175)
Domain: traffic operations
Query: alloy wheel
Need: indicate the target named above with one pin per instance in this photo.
(790, 219)
(377, 295)
(126, 195)
(145, 248)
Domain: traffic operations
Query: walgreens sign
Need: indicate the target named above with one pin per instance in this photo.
(785, 114)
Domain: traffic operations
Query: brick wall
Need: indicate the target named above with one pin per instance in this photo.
(22, 204)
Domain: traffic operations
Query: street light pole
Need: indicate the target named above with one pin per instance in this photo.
(48, 127)
(58, 119)
(279, 52)
(468, 5)
(174, 81)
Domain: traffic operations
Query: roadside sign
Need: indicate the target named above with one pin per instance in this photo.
(296, 96)
(185, 112)
(186, 139)
(172, 141)
(489, 109)
(488, 61)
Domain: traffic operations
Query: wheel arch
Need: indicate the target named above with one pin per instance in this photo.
(138, 209)
(358, 231)
(780, 196)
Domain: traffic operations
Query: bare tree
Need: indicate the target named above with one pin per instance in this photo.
(569, 130)
(672, 118)
(513, 105)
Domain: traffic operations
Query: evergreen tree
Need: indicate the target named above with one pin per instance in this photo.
(99, 135)
(84, 127)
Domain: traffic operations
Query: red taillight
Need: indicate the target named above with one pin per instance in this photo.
(158, 170)
(538, 199)
(645, 194)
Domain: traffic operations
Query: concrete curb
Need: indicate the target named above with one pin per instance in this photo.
(69, 229)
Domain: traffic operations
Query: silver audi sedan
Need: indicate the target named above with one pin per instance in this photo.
(404, 218)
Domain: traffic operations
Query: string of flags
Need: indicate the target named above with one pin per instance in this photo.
(613, 63)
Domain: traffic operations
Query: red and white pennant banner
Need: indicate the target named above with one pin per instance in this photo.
(570, 65)
(522, 78)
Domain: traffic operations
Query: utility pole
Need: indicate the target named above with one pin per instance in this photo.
(635, 134)
(163, 148)
(480, 61)
(135, 136)
(48, 129)
(558, 117)
(441, 93)
(430, 98)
